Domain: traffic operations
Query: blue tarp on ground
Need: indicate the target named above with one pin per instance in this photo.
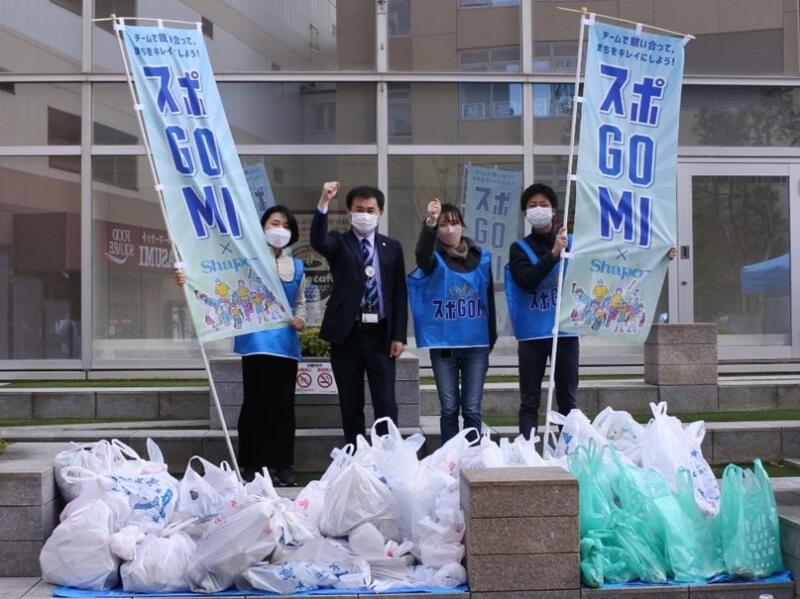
(722, 579)
(74, 593)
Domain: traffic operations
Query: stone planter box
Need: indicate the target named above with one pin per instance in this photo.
(29, 505)
(315, 410)
(681, 354)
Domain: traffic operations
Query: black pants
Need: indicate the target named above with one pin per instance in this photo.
(533, 357)
(266, 422)
(364, 350)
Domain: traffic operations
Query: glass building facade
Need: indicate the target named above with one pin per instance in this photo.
(405, 94)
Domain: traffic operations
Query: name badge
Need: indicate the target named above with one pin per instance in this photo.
(369, 318)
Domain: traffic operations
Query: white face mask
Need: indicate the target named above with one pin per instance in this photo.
(278, 237)
(539, 217)
(363, 222)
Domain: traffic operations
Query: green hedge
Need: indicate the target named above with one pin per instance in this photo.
(312, 346)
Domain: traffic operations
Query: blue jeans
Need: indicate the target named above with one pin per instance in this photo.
(468, 366)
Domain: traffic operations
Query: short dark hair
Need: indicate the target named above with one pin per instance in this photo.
(365, 191)
(293, 228)
(451, 212)
(535, 190)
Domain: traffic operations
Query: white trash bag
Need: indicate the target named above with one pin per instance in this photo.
(576, 431)
(706, 486)
(78, 553)
(357, 495)
(204, 496)
(233, 543)
(159, 563)
(92, 487)
(622, 431)
(665, 446)
(286, 579)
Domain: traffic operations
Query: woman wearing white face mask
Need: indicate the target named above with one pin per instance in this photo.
(269, 361)
(452, 299)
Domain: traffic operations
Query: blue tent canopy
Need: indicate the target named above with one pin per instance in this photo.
(771, 277)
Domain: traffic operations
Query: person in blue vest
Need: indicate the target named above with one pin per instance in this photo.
(531, 281)
(452, 300)
(269, 362)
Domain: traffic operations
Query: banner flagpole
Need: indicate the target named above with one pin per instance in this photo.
(119, 26)
(567, 197)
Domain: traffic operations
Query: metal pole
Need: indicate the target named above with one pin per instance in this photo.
(567, 197)
(119, 24)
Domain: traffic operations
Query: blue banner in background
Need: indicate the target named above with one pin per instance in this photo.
(211, 214)
(258, 181)
(491, 210)
(626, 183)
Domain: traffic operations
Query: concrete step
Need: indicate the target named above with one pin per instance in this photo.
(724, 442)
(740, 394)
(146, 403)
(792, 462)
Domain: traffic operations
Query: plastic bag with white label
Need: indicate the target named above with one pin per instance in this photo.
(78, 553)
(233, 543)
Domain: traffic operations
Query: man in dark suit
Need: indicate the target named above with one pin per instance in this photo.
(367, 313)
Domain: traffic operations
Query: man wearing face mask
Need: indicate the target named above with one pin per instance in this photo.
(531, 286)
(367, 312)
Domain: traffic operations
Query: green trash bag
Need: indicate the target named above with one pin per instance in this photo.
(748, 523)
(618, 544)
(692, 543)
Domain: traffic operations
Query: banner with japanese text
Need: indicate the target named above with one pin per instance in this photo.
(626, 183)
(211, 215)
(491, 210)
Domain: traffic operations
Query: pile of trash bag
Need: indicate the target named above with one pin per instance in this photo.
(652, 510)
(383, 519)
(378, 518)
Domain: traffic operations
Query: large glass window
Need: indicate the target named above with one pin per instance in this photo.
(735, 37)
(139, 312)
(725, 115)
(38, 114)
(261, 113)
(253, 35)
(454, 35)
(40, 36)
(450, 113)
(742, 264)
(711, 115)
(40, 259)
(486, 188)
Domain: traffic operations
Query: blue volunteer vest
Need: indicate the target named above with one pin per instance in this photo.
(451, 308)
(283, 342)
(533, 313)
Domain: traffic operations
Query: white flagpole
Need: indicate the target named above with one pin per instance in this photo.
(567, 197)
(119, 25)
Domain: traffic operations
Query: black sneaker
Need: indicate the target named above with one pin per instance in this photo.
(287, 477)
(274, 475)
